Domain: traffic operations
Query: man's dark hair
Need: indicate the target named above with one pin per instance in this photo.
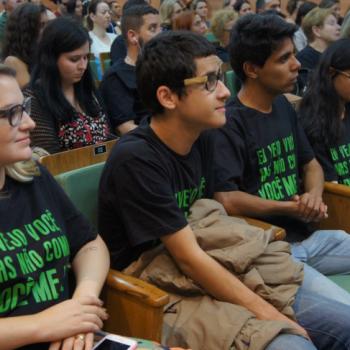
(132, 18)
(131, 3)
(167, 60)
(259, 5)
(255, 37)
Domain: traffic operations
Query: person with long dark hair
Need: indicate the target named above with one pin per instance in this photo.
(325, 112)
(22, 33)
(64, 104)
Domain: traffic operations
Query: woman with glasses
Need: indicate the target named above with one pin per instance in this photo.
(325, 112)
(64, 104)
(23, 30)
(42, 238)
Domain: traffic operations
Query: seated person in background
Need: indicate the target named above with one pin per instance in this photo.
(334, 6)
(221, 25)
(200, 7)
(99, 19)
(64, 105)
(75, 9)
(157, 164)
(325, 113)
(24, 27)
(168, 11)
(262, 151)
(272, 5)
(118, 48)
(118, 88)
(242, 7)
(300, 40)
(345, 27)
(189, 20)
(321, 29)
(43, 234)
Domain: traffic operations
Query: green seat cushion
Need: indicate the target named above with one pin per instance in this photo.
(81, 186)
(342, 281)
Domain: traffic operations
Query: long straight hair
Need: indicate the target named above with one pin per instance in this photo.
(320, 110)
(62, 35)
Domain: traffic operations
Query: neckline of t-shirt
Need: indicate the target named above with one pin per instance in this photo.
(180, 156)
(263, 114)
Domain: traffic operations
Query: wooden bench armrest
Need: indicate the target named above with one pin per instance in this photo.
(148, 293)
(280, 233)
(135, 307)
(337, 198)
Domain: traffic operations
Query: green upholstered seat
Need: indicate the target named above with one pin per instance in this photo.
(81, 185)
(342, 281)
(232, 82)
(211, 37)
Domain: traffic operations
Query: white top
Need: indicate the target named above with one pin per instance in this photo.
(97, 46)
(300, 39)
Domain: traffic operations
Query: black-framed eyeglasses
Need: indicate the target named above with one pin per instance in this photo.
(15, 113)
(210, 80)
(346, 74)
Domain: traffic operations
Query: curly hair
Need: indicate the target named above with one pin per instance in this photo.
(22, 32)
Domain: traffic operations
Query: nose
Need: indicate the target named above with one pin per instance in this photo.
(222, 92)
(295, 64)
(27, 123)
(82, 63)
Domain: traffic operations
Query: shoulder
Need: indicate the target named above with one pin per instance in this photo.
(15, 62)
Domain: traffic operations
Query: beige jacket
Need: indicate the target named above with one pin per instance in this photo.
(198, 321)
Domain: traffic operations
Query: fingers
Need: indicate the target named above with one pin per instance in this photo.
(95, 310)
(90, 300)
(68, 344)
(311, 208)
(55, 345)
(89, 341)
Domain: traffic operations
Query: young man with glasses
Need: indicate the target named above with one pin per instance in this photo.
(266, 168)
(156, 172)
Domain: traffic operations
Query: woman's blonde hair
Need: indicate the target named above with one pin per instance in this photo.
(219, 21)
(166, 11)
(315, 18)
(25, 170)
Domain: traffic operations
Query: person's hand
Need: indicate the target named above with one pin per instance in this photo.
(266, 311)
(79, 342)
(310, 207)
(70, 318)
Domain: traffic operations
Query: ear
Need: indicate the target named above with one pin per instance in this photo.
(250, 70)
(133, 37)
(316, 31)
(167, 98)
(92, 16)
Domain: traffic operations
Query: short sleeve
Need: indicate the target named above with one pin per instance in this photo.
(305, 152)
(118, 100)
(150, 210)
(229, 159)
(77, 228)
(327, 165)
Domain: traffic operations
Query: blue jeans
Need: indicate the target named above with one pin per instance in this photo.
(326, 320)
(329, 253)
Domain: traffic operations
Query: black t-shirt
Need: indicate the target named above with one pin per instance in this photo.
(335, 161)
(146, 191)
(308, 58)
(121, 98)
(262, 154)
(118, 49)
(40, 233)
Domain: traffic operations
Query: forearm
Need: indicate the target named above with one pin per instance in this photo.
(91, 265)
(241, 203)
(213, 277)
(313, 178)
(18, 331)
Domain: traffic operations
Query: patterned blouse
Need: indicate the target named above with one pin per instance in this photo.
(82, 131)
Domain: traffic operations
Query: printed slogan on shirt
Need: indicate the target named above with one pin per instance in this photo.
(28, 265)
(278, 169)
(341, 160)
